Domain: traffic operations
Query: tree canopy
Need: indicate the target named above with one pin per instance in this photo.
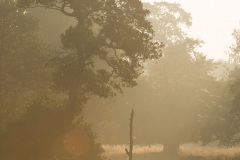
(105, 50)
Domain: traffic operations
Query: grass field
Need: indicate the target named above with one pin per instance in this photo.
(188, 152)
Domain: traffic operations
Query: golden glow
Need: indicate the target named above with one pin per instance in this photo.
(76, 142)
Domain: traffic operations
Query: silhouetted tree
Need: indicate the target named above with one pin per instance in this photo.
(105, 50)
(102, 53)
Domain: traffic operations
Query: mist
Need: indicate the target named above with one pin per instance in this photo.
(115, 79)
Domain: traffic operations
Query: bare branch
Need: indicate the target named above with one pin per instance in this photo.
(114, 68)
(115, 53)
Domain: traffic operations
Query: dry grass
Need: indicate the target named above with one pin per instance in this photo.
(211, 151)
(137, 149)
(187, 150)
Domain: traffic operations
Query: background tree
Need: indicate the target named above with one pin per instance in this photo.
(235, 48)
(228, 129)
(168, 20)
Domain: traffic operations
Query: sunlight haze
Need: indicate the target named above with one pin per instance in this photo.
(213, 22)
(119, 79)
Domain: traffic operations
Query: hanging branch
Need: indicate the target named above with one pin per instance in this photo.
(129, 153)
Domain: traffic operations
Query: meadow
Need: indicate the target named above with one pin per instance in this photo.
(188, 152)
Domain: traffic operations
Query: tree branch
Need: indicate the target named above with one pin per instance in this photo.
(63, 9)
(54, 7)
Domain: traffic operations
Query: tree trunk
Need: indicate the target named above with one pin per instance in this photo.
(1, 54)
(131, 135)
(72, 103)
(129, 153)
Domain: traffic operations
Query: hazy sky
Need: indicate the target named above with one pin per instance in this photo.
(213, 21)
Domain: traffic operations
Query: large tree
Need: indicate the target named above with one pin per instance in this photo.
(102, 53)
(105, 50)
